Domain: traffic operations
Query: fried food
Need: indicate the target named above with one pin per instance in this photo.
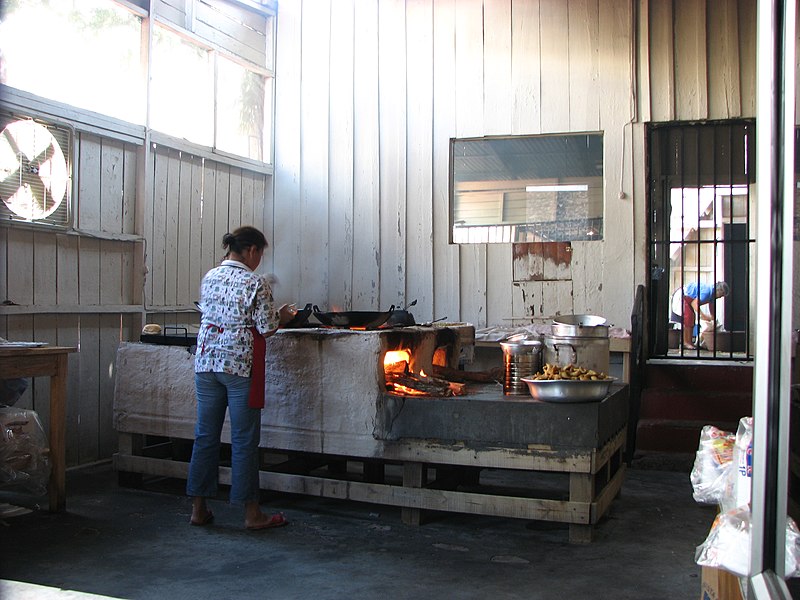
(569, 372)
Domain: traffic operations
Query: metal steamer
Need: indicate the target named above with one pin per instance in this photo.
(580, 340)
(522, 357)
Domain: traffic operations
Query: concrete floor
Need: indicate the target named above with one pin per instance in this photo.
(137, 544)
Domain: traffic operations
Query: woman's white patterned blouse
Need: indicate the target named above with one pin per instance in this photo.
(233, 299)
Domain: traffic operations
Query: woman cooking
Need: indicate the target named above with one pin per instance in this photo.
(238, 315)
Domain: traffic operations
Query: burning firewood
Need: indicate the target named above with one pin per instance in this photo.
(420, 385)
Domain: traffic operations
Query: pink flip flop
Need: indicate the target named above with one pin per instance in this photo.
(277, 520)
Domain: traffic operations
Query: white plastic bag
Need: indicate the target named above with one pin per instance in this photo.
(712, 464)
(740, 476)
(728, 544)
(24, 452)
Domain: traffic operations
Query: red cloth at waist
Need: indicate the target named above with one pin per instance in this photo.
(689, 317)
(258, 374)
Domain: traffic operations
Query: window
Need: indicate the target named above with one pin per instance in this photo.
(182, 88)
(700, 183)
(527, 188)
(85, 53)
(211, 77)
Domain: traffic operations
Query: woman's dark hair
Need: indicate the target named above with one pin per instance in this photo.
(242, 238)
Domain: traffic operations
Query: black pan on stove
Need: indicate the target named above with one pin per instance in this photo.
(366, 319)
(300, 318)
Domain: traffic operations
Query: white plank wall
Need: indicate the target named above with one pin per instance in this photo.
(491, 67)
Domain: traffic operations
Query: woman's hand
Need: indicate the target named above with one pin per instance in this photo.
(286, 313)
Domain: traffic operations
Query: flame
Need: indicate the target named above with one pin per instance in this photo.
(396, 356)
(422, 373)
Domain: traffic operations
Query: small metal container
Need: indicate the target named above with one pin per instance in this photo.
(522, 357)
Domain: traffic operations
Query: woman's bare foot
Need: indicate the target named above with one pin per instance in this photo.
(255, 519)
(201, 515)
(266, 522)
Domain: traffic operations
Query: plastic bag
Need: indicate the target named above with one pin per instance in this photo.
(714, 459)
(728, 544)
(740, 475)
(24, 452)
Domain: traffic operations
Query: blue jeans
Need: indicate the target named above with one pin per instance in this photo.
(217, 392)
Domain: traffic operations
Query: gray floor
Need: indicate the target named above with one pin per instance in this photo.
(136, 543)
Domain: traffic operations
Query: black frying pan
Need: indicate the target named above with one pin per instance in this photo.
(353, 318)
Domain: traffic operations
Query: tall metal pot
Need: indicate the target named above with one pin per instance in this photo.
(580, 340)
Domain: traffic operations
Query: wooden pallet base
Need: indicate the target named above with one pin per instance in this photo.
(411, 485)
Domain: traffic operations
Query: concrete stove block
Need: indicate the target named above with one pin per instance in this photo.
(487, 417)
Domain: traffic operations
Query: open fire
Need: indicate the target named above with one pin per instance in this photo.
(401, 380)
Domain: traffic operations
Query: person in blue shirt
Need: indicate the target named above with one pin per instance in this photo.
(695, 295)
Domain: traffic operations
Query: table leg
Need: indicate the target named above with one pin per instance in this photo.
(413, 478)
(581, 489)
(58, 401)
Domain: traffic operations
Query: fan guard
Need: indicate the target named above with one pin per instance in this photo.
(34, 171)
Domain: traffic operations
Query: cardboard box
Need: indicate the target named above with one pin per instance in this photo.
(719, 585)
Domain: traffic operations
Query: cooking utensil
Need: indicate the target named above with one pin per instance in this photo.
(568, 390)
(401, 318)
(300, 317)
(580, 326)
(522, 358)
(353, 318)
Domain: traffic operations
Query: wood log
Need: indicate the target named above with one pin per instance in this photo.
(430, 386)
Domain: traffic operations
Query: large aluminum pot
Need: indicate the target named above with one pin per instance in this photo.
(579, 326)
(587, 352)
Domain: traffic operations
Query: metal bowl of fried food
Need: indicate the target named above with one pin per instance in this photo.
(569, 390)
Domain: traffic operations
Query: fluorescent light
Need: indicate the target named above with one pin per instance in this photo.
(557, 188)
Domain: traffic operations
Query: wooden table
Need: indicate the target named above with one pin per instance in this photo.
(46, 361)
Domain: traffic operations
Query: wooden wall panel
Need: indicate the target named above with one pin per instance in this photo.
(555, 65)
(366, 182)
(691, 74)
(43, 271)
(584, 65)
(419, 207)
(392, 77)
(724, 95)
(185, 292)
(157, 241)
(661, 60)
(314, 144)
(235, 198)
(497, 119)
(446, 257)
(171, 220)
(194, 165)
(89, 160)
(340, 149)
(87, 424)
(747, 56)
(286, 235)
(469, 69)
(90, 257)
(526, 87)
(67, 269)
(20, 266)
